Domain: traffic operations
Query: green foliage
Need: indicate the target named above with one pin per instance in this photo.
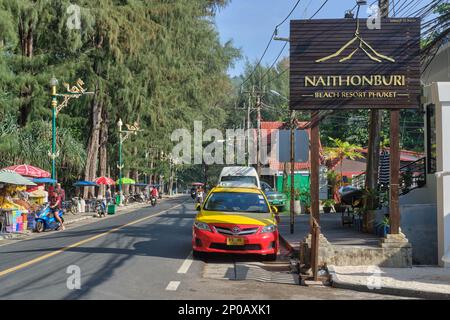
(328, 203)
(156, 62)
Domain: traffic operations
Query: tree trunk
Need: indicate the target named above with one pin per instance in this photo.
(29, 41)
(26, 43)
(126, 187)
(103, 149)
(94, 143)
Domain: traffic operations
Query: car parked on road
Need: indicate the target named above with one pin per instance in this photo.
(230, 175)
(275, 198)
(236, 220)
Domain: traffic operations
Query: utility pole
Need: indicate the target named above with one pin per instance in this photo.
(292, 156)
(248, 131)
(394, 131)
(315, 214)
(373, 152)
(258, 128)
(258, 95)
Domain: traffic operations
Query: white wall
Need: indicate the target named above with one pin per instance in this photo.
(441, 99)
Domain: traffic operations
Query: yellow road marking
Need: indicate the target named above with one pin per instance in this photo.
(77, 244)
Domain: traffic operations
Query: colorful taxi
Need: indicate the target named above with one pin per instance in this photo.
(236, 220)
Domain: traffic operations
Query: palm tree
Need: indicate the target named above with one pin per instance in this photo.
(341, 151)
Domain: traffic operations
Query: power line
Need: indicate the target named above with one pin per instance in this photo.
(275, 61)
(280, 74)
(269, 43)
(318, 10)
(290, 13)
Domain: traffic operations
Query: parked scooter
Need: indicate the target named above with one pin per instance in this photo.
(45, 219)
(100, 208)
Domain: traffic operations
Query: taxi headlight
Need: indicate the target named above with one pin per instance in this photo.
(202, 226)
(268, 229)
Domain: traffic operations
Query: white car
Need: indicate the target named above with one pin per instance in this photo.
(246, 175)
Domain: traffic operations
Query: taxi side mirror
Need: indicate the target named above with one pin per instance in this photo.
(198, 206)
(274, 209)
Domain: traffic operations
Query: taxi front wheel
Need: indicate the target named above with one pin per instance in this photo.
(271, 257)
(197, 254)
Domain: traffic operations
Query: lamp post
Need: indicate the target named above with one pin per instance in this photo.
(71, 93)
(54, 84)
(123, 135)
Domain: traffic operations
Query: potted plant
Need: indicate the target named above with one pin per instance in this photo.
(339, 207)
(328, 205)
(385, 226)
(305, 200)
(297, 203)
(371, 202)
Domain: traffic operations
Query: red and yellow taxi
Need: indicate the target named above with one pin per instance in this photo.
(236, 220)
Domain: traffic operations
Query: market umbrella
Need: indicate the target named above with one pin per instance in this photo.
(105, 181)
(44, 180)
(29, 171)
(11, 177)
(85, 184)
(125, 181)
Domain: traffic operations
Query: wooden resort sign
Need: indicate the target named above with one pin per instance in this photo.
(342, 64)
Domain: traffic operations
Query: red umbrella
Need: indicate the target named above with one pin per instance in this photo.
(105, 181)
(29, 171)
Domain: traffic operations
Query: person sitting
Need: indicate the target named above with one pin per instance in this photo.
(55, 206)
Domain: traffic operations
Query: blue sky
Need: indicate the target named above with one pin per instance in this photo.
(249, 23)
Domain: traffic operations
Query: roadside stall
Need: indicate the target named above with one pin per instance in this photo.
(85, 205)
(15, 209)
(108, 201)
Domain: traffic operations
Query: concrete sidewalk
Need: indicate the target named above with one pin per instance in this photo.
(70, 218)
(417, 282)
(332, 229)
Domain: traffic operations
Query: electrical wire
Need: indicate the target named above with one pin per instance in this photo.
(318, 10)
(273, 64)
(269, 43)
(275, 61)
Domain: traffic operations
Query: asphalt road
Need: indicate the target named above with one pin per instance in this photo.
(144, 254)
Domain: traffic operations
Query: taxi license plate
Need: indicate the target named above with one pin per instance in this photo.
(235, 241)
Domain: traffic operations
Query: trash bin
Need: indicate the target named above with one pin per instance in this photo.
(111, 209)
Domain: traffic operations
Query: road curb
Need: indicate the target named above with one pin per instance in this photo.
(394, 291)
(125, 210)
(286, 243)
(68, 222)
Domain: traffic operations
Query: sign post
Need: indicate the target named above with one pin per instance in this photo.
(340, 64)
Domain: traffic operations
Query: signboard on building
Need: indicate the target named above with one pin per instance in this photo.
(342, 64)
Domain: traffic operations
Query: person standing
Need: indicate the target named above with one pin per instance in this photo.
(108, 195)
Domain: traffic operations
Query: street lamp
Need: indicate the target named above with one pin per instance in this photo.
(123, 135)
(72, 93)
(53, 85)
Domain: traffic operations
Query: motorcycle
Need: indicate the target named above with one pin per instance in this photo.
(45, 219)
(100, 208)
(153, 201)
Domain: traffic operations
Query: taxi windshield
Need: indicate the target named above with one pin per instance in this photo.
(237, 202)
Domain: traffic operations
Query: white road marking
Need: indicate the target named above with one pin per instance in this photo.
(173, 286)
(186, 264)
